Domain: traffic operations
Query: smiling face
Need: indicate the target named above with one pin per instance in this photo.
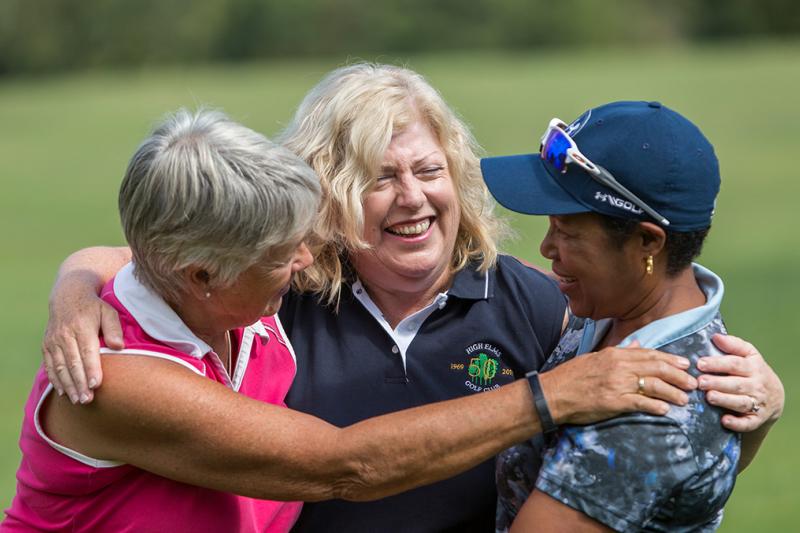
(411, 216)
(600, 279)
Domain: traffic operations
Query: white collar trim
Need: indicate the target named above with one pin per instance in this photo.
(158, 320)
(407, 328)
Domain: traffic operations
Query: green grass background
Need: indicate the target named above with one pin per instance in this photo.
(65, 141)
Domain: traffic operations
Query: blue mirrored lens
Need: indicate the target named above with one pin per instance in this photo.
(554, 149)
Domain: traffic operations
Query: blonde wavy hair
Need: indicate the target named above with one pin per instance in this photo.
(343, 127)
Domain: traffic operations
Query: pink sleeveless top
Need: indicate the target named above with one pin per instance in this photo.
(59, 489)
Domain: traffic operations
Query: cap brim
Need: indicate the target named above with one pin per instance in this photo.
(523, 184)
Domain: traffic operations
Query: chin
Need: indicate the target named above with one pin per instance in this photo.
(420, 264)
(272, 308)
(416, 270)
(579, 310)
(591, 313)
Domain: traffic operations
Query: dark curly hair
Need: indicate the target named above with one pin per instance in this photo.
(682, 247)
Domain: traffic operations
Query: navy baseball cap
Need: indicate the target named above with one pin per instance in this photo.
(656, 153)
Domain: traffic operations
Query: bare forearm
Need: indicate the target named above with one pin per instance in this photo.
(76, 317)
(182, 428)
(433, 442)
(90, 268)
(273, 453)
(380, 456)
(419, 446)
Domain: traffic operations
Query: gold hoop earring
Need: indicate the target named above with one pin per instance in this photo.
(649, 267)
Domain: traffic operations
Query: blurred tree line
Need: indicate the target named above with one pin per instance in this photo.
(57, 35)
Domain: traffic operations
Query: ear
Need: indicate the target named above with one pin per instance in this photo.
(198, 281)
(651, 238)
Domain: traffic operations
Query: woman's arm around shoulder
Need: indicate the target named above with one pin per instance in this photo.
(70, 349)
(157, 415)
(161, 417)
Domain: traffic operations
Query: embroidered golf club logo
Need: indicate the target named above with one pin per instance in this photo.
(482, 369)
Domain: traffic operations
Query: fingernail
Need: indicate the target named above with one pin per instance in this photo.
(73, 398)
(92, 383)
(684, 362)
(702, 382)
(60, 392)
(84, 398)
(701, 364)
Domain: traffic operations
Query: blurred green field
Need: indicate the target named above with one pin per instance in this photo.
(64, 143)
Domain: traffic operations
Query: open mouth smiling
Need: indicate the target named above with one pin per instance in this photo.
(563, 280)
(414, 229)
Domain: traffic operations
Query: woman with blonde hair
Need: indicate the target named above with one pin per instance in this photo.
(409, 301)
(343, 128)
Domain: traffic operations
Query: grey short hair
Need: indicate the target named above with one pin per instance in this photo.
(204, 190)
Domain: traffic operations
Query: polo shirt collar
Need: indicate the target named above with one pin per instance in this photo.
(470, 284)
(668, 329)
(158, 319)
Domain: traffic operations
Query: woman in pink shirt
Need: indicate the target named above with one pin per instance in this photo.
(189, 431)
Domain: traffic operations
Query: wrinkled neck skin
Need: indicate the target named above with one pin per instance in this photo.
(198, 315)
(672, 295)
(400, 297)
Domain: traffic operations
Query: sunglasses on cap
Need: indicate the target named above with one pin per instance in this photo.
(560, 150)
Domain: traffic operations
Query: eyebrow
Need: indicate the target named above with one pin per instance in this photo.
(385, 166)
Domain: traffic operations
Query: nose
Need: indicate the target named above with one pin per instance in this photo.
(302, 258)
(410, 193)
(547, 247)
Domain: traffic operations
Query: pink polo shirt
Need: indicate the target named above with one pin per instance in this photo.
(59, 489)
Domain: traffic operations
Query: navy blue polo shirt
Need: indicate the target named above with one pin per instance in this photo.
(489, 330)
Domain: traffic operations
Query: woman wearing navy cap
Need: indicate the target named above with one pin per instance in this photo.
(630, 188)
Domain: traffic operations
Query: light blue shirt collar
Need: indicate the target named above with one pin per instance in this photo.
(668, 329)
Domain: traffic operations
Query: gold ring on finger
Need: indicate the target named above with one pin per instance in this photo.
(640, 383)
